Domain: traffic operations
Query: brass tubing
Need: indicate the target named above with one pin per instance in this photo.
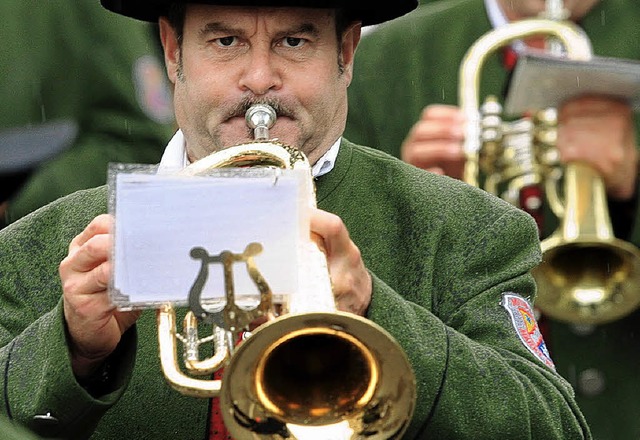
(574, 41)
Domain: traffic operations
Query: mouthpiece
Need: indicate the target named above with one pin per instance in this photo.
(261, 118)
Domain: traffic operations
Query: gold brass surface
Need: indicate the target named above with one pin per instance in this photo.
(572, 38)
(319, 369)
(587, 276)
(306, 374)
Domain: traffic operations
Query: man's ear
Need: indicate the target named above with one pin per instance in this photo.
(171, 48)
(350, 40)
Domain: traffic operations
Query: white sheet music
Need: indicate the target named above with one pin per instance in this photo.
(159, 219)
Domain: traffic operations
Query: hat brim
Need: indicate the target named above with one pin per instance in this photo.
(366, 11)
(24, 148)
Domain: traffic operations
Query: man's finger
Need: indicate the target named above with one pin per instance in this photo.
(102, 224)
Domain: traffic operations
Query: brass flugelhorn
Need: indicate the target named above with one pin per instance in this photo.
(310, 371)
(587, 276)
(577, 47)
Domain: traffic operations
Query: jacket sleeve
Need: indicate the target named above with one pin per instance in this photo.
(476, 377)
(13, 431)
(38, 387)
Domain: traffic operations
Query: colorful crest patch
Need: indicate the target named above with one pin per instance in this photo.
(526, 326)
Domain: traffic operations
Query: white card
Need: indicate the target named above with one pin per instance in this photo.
(159, 219)
(541, 81)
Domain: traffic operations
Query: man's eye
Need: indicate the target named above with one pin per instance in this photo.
(293, 42)
(226, 41)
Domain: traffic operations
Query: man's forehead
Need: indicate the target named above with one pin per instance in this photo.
(234, 12)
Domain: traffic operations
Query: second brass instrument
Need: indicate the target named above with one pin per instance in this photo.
(587, 276)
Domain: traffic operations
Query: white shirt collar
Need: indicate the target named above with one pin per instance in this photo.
(175, 157)
(175, 154)
(327, 161)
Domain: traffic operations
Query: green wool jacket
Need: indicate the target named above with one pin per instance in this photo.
(73, 60)
(414, 61)
(12, 431)
(441, 255)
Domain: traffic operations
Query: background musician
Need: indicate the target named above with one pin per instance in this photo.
(411, 67)
(444, 267)
(72, 61)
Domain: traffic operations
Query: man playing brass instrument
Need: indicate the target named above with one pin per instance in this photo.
(443, 267)
(426, 129)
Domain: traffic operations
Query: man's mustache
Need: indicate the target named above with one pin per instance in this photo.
(240, 109)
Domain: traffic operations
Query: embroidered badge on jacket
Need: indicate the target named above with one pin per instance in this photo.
(526, 326)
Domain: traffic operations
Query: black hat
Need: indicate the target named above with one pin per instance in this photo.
(368, 11)
(24, 148)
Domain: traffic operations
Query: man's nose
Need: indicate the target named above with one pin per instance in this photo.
(262, 73)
